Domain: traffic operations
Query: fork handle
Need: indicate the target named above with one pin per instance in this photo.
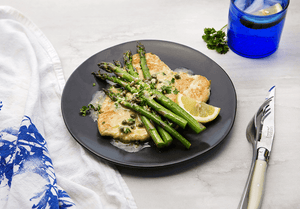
(258, 179)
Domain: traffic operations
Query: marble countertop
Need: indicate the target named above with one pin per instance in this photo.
(79, 29)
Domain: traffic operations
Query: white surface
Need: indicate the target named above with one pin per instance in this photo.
(79, 29)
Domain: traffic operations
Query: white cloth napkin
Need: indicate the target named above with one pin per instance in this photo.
(41, 165)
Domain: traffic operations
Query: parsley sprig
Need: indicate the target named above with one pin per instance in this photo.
(216, 40)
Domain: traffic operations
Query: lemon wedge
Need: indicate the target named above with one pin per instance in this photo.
(269, 11)
(201, 111)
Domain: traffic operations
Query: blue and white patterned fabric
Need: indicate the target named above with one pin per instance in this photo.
(41, 165)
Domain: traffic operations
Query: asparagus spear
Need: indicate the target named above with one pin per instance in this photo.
(111, 68)
(160, 137)
(150, 116)
(197, 127)
(165, 101)
(132, 71)
(127, 57)
(159, 142)
(167, 138)
(143, 62)
(144, 96)
(118, 63)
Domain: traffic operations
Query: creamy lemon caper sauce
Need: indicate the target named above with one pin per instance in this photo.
(130, 147)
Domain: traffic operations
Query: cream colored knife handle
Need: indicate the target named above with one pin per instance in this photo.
(257, 184)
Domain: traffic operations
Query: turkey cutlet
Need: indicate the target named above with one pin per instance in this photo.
(193, 86)
(111, 118)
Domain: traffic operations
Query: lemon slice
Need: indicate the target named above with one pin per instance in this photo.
(270, 10)
(201, 111)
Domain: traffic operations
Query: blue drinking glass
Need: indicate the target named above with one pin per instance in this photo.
(254, 36)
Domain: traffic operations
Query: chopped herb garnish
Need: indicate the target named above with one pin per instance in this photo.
(99, 107)
(173, 80)
(143, 103)
(94, 84)
(141, 93)
(127, 130)
(176, 91)
(116, 105)
(103, 122)
(166, 89)
(152, 85)
(163, 73)
(131, 120)
(84, 110)
(91, 106)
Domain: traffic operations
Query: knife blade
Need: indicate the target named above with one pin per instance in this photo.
(264, 147)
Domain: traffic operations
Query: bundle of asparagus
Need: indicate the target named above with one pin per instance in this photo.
(145, 93)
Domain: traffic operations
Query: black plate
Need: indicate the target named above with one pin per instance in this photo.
(79, 89)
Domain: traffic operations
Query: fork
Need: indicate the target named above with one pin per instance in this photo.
(252, 135)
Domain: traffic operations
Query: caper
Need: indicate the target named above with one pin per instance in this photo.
(154, 76)
(123, 94)
(121, 128)
(140, 125)
(132, 127)
(154, 81)
(124, 122)
(133, 115)
(177, 76)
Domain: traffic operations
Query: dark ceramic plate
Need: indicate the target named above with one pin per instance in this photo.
(79, 89)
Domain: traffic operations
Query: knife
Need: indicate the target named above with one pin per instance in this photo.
(264, 147)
